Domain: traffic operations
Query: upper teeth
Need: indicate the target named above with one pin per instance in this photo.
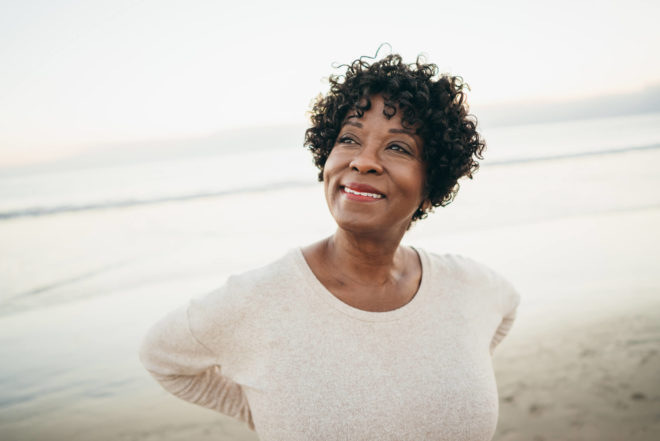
(371, 195)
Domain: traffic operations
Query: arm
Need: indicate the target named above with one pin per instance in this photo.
(502, 330)
(509, 300)
(190, 370)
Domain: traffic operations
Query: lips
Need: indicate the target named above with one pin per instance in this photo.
(361, 192)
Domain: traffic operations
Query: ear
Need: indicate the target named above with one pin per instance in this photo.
(426, 205)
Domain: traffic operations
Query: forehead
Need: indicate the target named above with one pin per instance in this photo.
(378, 113)
(377, 105)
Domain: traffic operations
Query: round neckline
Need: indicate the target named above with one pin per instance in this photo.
(394, 314)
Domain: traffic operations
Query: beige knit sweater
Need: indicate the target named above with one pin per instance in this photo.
(274, 348)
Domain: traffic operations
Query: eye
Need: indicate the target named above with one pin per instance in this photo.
(344, 139)
(398, 148)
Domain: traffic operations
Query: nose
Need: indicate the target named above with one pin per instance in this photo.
(366, 161)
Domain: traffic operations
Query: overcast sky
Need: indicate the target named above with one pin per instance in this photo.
(75, 74)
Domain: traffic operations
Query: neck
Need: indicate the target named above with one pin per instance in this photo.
(364, 259)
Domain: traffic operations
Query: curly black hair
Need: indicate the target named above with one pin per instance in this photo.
(435, 105)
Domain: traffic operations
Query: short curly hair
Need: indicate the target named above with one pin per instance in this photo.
(435, 105)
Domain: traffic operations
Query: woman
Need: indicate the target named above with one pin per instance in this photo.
(356, 337)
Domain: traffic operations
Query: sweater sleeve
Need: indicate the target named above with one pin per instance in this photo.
(509, 300)
(189, 369)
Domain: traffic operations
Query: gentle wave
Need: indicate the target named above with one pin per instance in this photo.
(45, 211)
(574, 155)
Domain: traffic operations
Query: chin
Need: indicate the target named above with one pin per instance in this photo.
(367, 227)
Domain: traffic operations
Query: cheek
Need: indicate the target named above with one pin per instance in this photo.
(328, 173)
(418, 182)
(331, 165)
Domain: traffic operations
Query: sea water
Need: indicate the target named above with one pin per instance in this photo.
(91, 256)
(167, 177)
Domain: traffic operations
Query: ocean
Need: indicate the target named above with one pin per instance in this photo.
(176, 176)
(93, 254)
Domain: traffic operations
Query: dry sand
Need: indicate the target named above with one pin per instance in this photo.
(589, 379)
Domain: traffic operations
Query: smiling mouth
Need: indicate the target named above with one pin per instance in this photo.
(363, 194)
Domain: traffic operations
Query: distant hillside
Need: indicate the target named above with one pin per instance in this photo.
(291, 136)
(224, 142)
(644, 101)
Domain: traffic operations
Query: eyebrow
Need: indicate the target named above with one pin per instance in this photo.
(407, 132)
(404, 131)
(354, 123)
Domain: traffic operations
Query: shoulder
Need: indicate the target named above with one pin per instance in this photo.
(466, 267)
(458, 266)
(247, 293)
(280, 272)
(466, 273)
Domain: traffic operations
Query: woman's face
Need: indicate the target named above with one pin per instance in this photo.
(374, 175)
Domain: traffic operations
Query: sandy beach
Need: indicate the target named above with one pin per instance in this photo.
(591, 379)
(581, 363)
